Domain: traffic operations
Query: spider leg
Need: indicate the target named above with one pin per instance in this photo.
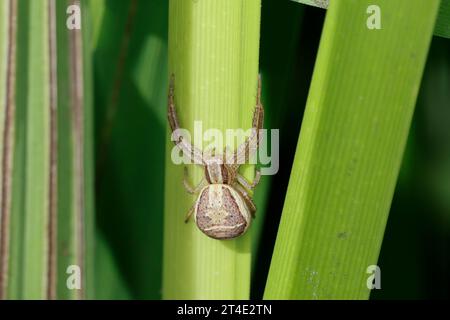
(247, 149)
(247, 199)
(246, 184)
(189, 188)
(189, 213)
(188, 149)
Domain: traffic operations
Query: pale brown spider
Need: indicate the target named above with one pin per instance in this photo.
(224, 208)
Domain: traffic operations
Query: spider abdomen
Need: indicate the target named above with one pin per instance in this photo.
(221, 212)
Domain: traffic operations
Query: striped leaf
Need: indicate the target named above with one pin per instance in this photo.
(47, 182)
(350, 149)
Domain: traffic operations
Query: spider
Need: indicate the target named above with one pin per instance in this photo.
(223, 209)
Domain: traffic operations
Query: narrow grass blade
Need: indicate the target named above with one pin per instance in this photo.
(75, 154)
(213, 52)
(8, 45)
(38, 260)
(51, 189)
(348, 156)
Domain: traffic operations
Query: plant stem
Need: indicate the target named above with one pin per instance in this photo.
(213, 52)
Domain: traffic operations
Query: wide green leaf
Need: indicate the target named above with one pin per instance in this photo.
(357, 118)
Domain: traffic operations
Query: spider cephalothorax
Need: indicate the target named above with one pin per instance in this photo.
(219, 173)
(224, 208)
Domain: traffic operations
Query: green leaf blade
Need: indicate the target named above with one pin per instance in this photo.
(38, 144)
(51, 214)
(350, 148)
